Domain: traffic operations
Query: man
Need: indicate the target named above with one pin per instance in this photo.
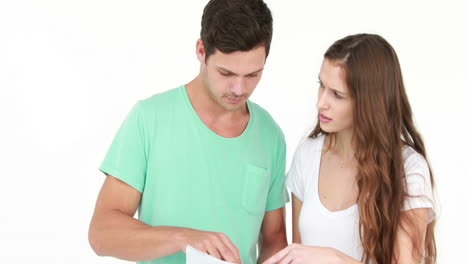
(203, 165)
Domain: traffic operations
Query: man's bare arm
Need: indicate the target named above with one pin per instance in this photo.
(115, 232)
(272, 234)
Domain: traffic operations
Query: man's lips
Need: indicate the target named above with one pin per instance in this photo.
(233, 100)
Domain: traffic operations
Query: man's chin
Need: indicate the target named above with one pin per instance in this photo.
(233, 107)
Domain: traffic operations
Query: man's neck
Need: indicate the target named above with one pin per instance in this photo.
(225, 123)
(204, 105)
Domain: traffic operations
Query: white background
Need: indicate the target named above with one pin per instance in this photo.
(71, 70)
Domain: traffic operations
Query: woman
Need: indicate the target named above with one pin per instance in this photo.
(361, 185)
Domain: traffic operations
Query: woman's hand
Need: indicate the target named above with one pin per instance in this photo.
(300, 254)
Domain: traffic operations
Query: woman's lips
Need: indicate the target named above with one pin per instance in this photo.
(324, 118)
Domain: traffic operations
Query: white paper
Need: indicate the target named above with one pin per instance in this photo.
(197, 257)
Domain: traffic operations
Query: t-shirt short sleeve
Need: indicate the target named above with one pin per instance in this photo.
(277, 194)
(126, 157)
(418, 183)
(295, 179)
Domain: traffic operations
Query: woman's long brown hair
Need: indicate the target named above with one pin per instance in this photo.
(383, 124)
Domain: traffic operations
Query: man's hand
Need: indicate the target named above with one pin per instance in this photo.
(215, 244)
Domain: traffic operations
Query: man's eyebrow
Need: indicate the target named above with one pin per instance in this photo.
(224, 70)
(257, 71)
(233, 73)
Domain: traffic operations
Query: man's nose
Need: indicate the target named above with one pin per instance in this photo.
(238, 86)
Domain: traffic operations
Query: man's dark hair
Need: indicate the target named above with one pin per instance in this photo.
(236, 25)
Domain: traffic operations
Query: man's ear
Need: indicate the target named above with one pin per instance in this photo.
(200, 50)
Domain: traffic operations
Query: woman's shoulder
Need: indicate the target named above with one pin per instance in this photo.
(310, 144)
(414, 162)
(418, 182)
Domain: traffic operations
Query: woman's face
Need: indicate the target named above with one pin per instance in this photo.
(334, 102)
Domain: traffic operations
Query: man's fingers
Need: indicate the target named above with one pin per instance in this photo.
(227, 255)
(217, 245)
(213, 252)
(199, 248)
(230, 250)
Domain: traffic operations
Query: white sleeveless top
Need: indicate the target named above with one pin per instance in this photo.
(340, 230)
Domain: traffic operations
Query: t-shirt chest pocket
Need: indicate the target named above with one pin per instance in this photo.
(255, 191)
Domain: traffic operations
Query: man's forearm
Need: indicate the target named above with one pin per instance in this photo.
(269, 248)
(116, 234)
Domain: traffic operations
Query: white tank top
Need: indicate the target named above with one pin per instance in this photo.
(340, 230)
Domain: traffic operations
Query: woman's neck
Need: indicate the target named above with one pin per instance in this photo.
(342, 145)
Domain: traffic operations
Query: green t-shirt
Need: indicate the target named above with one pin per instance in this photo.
(191, 177)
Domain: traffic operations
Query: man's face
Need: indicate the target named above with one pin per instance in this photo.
(229, 79)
